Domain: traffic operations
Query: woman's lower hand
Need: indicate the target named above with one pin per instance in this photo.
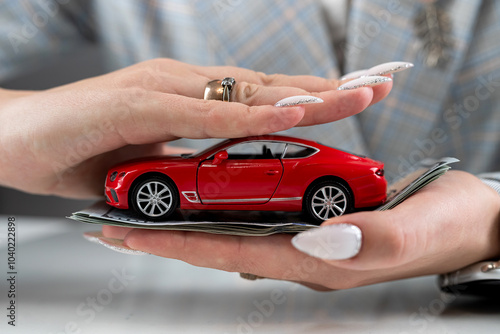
(449, 224)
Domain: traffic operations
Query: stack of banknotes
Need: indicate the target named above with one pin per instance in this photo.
(255, 223)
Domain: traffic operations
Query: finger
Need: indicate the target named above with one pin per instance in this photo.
(137, 117)
(380, 92)
(115, 232)
(171, 76)
(160, 68)
(387, 241)
(271, 257)
(305, 82)
(251, 88)
(346, 239)
(164, 117)
(257, 89)
(337, 105)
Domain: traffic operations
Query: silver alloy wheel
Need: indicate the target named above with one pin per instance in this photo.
(329, 201)
(154, 198)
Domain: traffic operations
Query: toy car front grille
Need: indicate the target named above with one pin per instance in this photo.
(113, 193)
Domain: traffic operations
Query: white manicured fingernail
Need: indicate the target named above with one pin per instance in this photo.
(118, 246)
(332, 242)
(364, 82)
(296, 100)
(353, 75)
(388, 68)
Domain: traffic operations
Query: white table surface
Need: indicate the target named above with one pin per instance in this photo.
(59, 272)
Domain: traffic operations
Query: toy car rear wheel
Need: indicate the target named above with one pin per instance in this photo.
(327, 199)
(155, 198)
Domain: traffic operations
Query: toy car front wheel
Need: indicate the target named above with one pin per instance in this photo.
(327, 199)
(155, 198)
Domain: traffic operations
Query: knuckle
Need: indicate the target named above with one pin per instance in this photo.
(126, 108)
(234, 264)
(130, 99)
(230, 260)
(264, 79)
(204, 120)
(396, 245)
(237, 257)
(151, 74)
(246, 92)
(269, 79)
(387, 242)
(206, 108)
(215, 119)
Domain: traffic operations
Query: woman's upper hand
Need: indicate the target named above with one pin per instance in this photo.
(449, 224)
(62, 141)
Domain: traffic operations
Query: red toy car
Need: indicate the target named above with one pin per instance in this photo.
(263, 173)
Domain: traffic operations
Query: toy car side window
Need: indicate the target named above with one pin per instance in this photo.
(294, 151)
(274, 149)
(256, 150)
(248, 150)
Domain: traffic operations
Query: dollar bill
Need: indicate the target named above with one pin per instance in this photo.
(427, 171)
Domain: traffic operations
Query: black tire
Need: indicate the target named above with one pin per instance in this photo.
(155, 198)
(327, 199)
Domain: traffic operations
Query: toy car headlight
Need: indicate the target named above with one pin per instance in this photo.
(113, 176)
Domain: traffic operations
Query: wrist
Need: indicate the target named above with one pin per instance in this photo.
(492, 181)
(480, 278)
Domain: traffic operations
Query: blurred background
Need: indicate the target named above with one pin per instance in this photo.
(80, 64)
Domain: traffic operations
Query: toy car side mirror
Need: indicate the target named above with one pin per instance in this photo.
(220, 157)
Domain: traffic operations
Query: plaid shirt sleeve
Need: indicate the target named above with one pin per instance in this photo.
(33, 33)
(492, 180)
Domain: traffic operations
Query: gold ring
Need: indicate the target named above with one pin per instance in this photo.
(219, 89)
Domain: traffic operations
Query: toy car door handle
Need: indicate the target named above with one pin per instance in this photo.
(272, 172)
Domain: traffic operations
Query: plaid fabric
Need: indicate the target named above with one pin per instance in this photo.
(33, 32)
(431, 112)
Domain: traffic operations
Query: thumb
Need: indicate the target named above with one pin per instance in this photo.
(360, 241)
